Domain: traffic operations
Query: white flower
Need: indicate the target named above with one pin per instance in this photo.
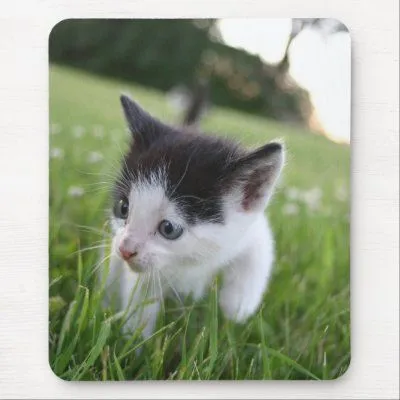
(292, 193)
(56, 152)
(290, 209)
(94, 157)
(98, 131)
(78, 131)
(75, 191)
(312, 198)
(55, 129)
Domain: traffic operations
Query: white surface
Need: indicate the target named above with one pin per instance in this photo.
(24, 28)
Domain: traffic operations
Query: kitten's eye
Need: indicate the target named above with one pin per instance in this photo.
(121, 209)
(169, 230)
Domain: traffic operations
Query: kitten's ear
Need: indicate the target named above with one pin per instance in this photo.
(257, 174)
(144, 128)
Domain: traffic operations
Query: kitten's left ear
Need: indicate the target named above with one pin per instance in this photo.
(257, 174)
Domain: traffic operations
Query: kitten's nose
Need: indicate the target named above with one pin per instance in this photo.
(126, 254)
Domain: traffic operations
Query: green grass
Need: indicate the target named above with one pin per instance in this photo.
(302, 330)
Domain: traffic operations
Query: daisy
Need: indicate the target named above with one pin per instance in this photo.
(94, 157)
(290, 209)
(75, 191)
(56, 152)
(78, 131)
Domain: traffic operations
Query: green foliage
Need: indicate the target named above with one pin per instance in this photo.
(164, 53)
(302, 331)
(153, 52)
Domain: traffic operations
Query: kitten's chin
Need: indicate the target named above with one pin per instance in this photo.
(139, 269)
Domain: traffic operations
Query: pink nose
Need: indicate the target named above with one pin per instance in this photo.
(126, 254)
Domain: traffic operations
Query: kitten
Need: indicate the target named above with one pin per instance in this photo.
(188, 206)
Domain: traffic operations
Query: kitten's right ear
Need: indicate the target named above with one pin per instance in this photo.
(141, 124)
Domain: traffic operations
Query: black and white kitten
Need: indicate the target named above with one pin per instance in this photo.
(188, 206)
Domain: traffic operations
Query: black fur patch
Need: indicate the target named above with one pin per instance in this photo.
(197, 170)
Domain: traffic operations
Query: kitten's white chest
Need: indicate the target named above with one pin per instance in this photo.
(189, 281)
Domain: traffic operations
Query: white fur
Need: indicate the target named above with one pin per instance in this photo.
(242, 249)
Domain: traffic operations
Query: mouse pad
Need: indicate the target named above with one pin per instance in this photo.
(199, 210)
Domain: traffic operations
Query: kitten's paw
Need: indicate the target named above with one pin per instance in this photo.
(236, 307)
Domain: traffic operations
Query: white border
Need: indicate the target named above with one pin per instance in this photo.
(24, 29)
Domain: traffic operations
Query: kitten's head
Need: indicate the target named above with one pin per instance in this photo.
(185, 199)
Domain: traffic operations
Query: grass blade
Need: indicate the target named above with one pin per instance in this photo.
(95, 351)
(287, 360)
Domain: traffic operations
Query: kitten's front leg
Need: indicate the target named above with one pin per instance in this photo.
(244, 282)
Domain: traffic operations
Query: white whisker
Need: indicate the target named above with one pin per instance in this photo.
(172, 287)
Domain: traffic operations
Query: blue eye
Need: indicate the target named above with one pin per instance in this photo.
(170, 230)
(121, 208)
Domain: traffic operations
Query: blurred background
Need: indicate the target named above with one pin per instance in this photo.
(291, 70)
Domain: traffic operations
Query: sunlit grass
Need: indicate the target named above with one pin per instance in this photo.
(302, 330)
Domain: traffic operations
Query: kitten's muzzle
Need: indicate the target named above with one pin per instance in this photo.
(126, 254)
